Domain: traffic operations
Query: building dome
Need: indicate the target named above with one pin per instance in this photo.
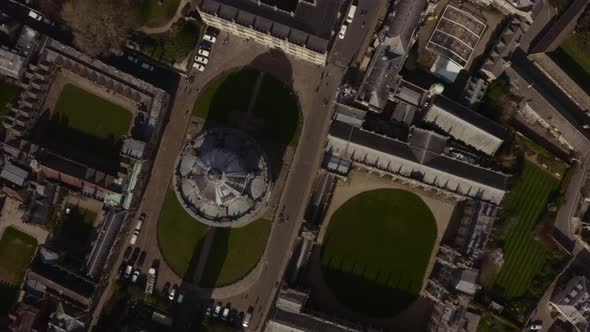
(222, 178)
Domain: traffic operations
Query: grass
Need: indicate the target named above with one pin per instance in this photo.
(8, 92)
(179, 235)
(92, 114)
(544, 157)
(377, 249)
(16, 252)
(153, 14)
(524, 256)
(235, 252)
(491, 323)
(84, 127)
(174, 45)
(276, 109)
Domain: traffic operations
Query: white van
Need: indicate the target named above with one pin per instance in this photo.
(133, 239)
(351, 12)
(36, 16)
(128, 270)
(139, 224)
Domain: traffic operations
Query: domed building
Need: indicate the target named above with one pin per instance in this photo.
(222, 178)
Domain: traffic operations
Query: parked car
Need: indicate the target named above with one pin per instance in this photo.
(135, 276)
(225, 314)
(139, 224)
(240, 320)
(134, 256)
(203, 52)
(133, 239)
(172, 293)
(165, 289)
(132, 45)
(147, 66)
(132, 59)
(49, 22)
(198, 66)
(217, 310)
(233, 316)
(351, 12)
(208, 311)
(209, 38)
(342, 32)
(34, 15)
(246, 320)
(201, 60)
(128, 270)
(212, 31)
(141, 259)
(127, 252)
(180, 298)
(206, 45)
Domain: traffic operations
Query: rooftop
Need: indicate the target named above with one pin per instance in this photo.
(404, 150)
(302, 23)
(456, 35)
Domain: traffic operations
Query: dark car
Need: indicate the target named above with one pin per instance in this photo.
(134, 256)
(127, 252)
(141, 259)
(233, 317)
(212, 31)
(166, 289)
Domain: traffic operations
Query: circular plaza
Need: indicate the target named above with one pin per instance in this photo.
(222, 178)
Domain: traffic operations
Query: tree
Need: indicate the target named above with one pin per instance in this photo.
(100, 26)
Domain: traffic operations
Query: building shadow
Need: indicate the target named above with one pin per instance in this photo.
(272, 121)
(53, 131)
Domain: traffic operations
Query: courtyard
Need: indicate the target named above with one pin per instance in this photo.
(84, 122)
(377, 247)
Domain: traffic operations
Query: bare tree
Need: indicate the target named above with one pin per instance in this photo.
(100, 25)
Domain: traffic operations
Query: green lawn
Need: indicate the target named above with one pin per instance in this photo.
(155, 13)
(276, 108)
(377, 249)
(84, 127)
(179, 235)
(16, 253)
(234, 253)
(8, 92)
(524, 256)
(174, 45)
(92, 114)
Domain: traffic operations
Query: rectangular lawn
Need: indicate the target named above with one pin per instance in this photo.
(234, 253)
(16, 253)
(524, 256)
(92, 114)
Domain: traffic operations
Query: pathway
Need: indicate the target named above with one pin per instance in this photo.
(167, 26)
